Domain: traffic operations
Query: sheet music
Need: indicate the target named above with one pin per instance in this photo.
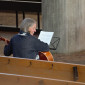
(46, 36)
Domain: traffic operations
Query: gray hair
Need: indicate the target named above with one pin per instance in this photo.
(26, 23)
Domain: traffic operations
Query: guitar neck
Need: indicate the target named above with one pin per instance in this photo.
(3, 39)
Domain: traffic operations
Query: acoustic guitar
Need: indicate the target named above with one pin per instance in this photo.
(42, 55)
(46, 56)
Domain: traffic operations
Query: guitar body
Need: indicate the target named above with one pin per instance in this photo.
(46, 56)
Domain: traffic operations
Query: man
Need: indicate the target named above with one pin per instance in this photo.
(24, 44)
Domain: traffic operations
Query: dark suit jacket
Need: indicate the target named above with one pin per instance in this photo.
(25, 46)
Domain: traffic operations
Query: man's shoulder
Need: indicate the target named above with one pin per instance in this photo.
(33, 37)
(15, 36)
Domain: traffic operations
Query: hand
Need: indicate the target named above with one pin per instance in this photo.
(6, 42)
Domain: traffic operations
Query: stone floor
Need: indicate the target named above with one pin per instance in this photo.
(78, 57)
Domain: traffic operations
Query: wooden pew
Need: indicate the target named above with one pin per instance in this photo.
(45, 69)
(13, 79)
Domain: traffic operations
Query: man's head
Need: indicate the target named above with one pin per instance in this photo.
(28, 25)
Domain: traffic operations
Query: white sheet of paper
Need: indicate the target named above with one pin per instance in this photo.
(46, 36)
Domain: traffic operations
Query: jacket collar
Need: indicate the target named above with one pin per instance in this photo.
(22, 33)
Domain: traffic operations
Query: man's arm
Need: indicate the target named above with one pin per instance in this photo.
(41, 46)
(8, 49)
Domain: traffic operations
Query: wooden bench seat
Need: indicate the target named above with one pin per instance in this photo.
(45, 69)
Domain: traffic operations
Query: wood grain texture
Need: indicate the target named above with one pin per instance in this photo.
(54, 70)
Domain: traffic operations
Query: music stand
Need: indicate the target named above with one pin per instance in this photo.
(54, 44)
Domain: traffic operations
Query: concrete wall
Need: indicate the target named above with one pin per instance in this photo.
(67, 19)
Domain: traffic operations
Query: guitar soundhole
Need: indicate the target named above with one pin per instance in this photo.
(42, 56)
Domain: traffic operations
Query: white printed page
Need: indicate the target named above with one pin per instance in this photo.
(46, 36)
